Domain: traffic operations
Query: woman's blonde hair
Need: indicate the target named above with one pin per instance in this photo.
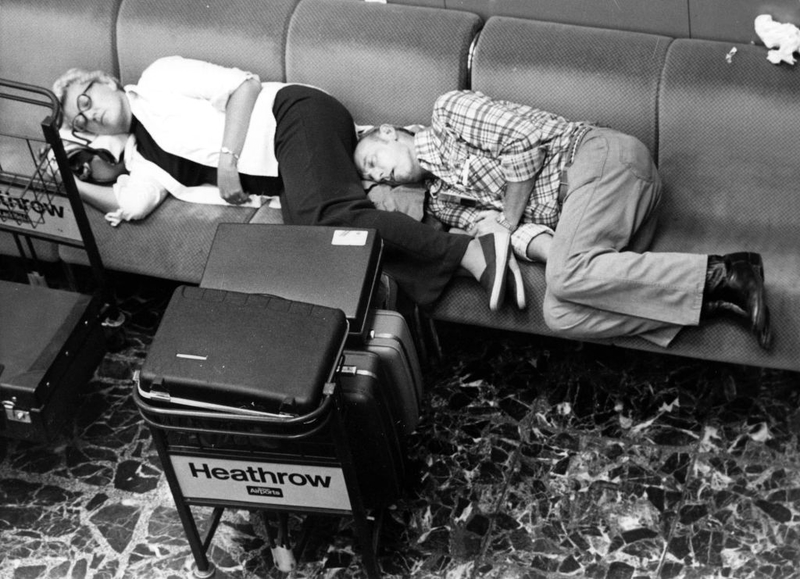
(80, 75)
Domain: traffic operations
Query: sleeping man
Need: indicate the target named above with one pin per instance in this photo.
(575, 197)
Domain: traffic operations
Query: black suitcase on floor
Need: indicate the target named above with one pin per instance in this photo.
(242, 353)
(51, 341)
(389, 336)
(371, 426)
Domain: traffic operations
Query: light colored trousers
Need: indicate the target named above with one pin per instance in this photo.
(596, 286)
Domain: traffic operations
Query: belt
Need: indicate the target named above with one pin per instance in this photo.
(572, 148)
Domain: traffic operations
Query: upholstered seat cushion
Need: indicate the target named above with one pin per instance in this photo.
(172, 242)
(728, 156)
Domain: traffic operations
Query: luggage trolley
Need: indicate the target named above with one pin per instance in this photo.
(51, 340)
(295, 450)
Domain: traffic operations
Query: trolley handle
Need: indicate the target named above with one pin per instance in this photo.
(49, 101)
(44, 97)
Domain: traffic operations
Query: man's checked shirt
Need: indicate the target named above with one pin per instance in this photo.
(475, 145)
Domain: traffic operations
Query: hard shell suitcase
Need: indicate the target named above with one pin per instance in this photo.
(389, 337)
(242, 353)
(337, 267)
(371, 426)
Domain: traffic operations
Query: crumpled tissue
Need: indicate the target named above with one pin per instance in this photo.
(783, 38)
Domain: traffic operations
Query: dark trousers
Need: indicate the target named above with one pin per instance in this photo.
(314, 144)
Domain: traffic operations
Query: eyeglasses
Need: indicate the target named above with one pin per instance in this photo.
(84, 101)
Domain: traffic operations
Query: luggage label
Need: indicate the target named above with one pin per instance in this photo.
(261, 483)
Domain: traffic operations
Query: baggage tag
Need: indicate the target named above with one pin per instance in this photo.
(349, 237)
(256, 482)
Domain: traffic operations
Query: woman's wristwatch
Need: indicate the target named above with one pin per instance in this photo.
(501, 219)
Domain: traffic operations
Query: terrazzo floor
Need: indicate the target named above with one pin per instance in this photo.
(535, 458)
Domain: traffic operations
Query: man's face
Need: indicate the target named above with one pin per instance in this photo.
(96, 107)
(388, 156)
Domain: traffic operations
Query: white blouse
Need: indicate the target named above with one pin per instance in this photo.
(181, 102)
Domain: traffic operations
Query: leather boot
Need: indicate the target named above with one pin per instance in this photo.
(735, 285)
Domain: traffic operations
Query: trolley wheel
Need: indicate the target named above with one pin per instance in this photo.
(207, 574)
(114, 332)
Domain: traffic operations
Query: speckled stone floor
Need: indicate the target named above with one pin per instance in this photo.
(535, 458)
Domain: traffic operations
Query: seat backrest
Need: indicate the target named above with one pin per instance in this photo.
(243, 33)
(591, 74)
(385, 63)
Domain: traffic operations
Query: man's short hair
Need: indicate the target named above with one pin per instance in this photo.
(368, 133)
(372, 131)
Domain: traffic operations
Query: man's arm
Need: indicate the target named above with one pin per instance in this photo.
(509, 139)
(517, 196)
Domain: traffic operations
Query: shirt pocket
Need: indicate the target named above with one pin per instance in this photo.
(482, 173)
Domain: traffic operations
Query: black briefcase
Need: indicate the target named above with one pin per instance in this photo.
(242, 353)
(331, 266)
(51, 341)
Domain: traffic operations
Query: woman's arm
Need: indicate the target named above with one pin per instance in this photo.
(229, 90)
(101, 197)
(237, 120)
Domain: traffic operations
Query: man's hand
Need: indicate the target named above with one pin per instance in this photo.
(486, 223)
(230, 187)
(539, 248)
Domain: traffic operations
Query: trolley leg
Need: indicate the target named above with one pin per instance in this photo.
(368, 539)
(203, 568)
(365, 530)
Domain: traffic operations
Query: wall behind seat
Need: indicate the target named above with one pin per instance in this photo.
(728, 20)
(428, 3)
(666, 17)
(732, 20)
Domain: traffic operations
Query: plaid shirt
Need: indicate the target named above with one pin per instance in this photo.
(476, 145)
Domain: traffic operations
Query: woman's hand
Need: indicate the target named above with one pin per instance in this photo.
(230, 186)
(486, 223)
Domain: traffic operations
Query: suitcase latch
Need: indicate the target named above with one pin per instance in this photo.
(14, 414)
(348, 370)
